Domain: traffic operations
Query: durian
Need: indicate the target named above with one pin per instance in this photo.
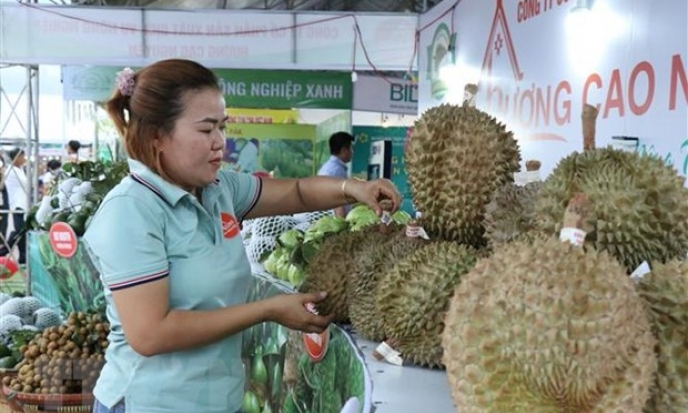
(371, 266)
(333, 265)
(665, 289)
(456, 157)
(510, 215)
(640, 203)
(544, 326)
(413, 297)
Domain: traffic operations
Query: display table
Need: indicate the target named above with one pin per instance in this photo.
(406, 389)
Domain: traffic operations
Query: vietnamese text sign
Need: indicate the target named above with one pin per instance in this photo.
(537, 62)
(379, 94)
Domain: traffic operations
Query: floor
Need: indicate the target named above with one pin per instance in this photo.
(406, 389)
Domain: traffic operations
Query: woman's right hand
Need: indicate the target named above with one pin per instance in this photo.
(290, 311)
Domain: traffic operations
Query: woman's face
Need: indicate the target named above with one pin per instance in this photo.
(192, 153)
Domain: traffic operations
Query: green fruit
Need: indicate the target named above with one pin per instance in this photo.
(8, 362)
(639, 204)
(267, 408)
(665, 290)
(5, 351)
(456, 157)
(333, 266)
(259, 373)
(251, 403)
(545, 326)
(413, 297)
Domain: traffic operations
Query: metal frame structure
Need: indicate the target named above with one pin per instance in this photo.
(10, 105)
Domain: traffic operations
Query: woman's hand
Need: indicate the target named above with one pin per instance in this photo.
(290, 311)
(372, 192)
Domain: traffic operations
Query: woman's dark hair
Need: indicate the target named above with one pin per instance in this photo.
(155, 104)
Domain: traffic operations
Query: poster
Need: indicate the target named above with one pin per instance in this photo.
(282, 151)
(365, 135)
(537, 62)
(281, 375)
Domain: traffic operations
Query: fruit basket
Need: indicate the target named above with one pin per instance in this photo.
(33, 402)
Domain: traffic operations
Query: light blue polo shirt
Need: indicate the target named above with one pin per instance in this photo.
(147, 229)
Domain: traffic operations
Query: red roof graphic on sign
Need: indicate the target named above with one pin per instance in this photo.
(499, 42)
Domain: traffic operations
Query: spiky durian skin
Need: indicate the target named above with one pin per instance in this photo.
(332, 267)
(640, 206)
(510, 215)
(372, 265)
(544, 326)
(665, 290)
(456, 157)
(413, 297)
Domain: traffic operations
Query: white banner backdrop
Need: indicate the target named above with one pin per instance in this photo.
(538, 61)
(44, 34)
(381, 94)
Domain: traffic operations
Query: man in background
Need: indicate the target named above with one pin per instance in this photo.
(73, 147)
(341, 153)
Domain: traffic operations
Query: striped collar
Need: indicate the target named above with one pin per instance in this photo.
(169, 192)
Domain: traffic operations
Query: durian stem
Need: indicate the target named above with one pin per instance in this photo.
(575, 220)
(533, 165)
(577, 211)
(469, 94)
(589, 117)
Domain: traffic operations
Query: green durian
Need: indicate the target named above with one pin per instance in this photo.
(332, 267)
(640, 204)
(371, 266)
(456, 157)
(543, 326)
(413, 297)
(665, 289)
(510, 215)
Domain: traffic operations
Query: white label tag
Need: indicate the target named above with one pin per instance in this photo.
(573, 235)
(640, 272)
(416, 231)
(389, 354)
(523, 178)
(386, 218)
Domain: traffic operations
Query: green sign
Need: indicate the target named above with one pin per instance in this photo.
(286, 89)
(243, 88)
(365, 135)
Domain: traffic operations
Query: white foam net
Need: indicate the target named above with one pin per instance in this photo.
(260, 234)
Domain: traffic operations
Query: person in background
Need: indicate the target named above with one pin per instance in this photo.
(341, 153)
(167, 245)
(73, 147)
(54, 173)
(17, 185)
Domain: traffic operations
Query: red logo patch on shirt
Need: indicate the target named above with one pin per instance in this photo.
(230, 225)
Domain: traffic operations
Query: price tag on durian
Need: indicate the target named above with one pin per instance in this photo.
(316, 344)
(640, 272)
(523, 178)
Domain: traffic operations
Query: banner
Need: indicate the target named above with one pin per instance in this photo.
(379, 94)
(114, 36)
(365, 135)
(282, 151)
(286, 89)
(278, 89)
(538, 61)
(246, 115)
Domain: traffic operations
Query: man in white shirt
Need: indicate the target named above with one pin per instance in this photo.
(17, 185)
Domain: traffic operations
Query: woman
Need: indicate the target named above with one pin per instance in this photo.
(166, 241)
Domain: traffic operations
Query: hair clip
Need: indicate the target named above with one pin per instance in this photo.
(125, 81)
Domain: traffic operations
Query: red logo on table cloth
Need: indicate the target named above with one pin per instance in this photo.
(230, 225)
(63, 239)
(316, 344)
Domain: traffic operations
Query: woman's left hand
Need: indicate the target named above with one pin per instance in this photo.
(372, 192)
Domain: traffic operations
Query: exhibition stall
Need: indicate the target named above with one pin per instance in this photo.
(528, 123)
